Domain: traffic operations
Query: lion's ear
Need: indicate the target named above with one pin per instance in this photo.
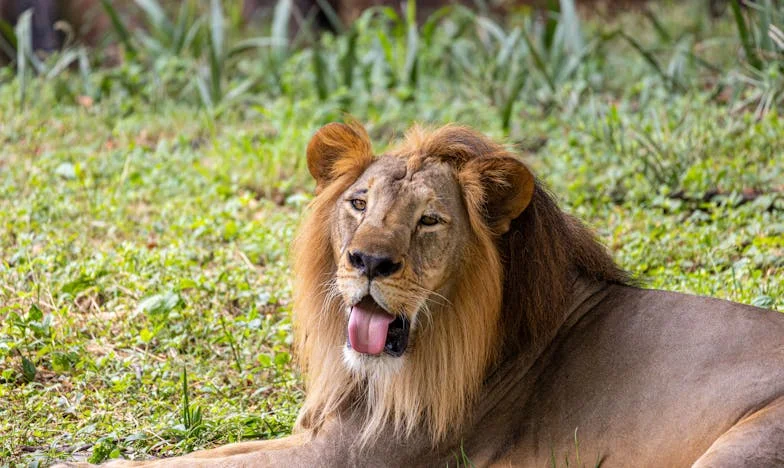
(337, 149)
(501, 186)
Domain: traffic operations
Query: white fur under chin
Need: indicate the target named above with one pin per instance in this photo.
(372, 367)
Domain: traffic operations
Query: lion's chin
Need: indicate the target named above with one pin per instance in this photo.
(372, 366)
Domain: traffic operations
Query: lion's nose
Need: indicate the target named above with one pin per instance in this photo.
(372, 266)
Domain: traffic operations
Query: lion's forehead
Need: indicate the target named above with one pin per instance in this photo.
(390, 176)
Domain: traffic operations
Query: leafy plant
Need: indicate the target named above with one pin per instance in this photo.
(760, 28)
(190, 418)
(195, 44)
(29, 64)
(495, 64)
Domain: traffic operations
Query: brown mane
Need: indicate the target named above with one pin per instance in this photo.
(543, 252)
(513, 291)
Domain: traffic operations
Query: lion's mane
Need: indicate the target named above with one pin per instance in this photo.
(512, 293)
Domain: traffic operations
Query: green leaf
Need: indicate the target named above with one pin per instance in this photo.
(78, 285)
(763, 301)
(282, 358)
(264, 360)
(66, 170)
(28, 369)
(160, 304)
(34, 314)
(145, 335)
(103, 450)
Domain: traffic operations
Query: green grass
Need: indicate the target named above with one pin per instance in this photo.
(144, 234)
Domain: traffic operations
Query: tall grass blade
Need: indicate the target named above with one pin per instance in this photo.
(508, 47)
(8, 36)
(506, 111)
(63, 62)
(181, 27)
(661, 31)
(186, 405)
(349, 60)
(745, 38)
(239, 90)
(389, 56)
(192, 34)
(412, 45)
(764, 16)
(539, 62)
(319, 72)
(491, 27)
(551, 23)
(648, 57)
(253, 43)
(570, 22)
(332, 16)
(777, 36)
(280, 25)
(204, 92)
(456, 13)
(119, 27)
(217, 33)
(216, 37)
(86, 72)
(23, 50)
(157, 16)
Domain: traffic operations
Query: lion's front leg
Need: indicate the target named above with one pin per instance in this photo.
(232, 453)
(239, 448)
(756, 440)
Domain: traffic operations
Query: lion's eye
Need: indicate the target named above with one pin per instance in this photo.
(358, 204)
(428, 220)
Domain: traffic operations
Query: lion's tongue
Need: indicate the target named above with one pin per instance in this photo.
(367, 327)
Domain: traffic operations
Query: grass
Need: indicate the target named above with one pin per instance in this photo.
(145, 219)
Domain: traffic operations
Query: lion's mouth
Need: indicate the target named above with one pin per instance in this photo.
(372, 330)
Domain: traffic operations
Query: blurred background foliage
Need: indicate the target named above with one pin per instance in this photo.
(208, 54)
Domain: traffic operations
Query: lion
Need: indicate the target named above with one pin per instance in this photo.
(448, 312)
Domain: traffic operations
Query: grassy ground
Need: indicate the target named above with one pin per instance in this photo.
(144, 232)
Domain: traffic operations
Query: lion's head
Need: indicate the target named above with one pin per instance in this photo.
(403, 268)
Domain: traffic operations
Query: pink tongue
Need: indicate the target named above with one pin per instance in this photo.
(367, 327)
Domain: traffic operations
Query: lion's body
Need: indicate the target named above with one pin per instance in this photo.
(636, 378)
(528, 347)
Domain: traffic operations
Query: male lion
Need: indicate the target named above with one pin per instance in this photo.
(448, 312)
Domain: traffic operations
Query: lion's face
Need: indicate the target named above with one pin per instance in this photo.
(397, 240)
(399, 280)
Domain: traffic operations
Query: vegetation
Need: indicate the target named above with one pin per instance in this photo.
(146, 209)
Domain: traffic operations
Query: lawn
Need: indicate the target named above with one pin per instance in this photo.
(146, 209)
